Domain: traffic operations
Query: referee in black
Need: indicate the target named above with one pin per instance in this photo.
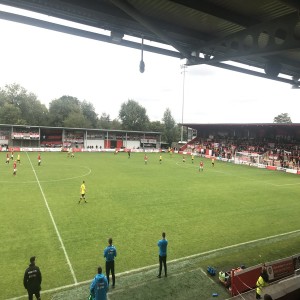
(32, 280)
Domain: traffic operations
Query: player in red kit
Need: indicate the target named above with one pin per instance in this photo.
(39, 159)
(7, 158)
(201, 166)
(15, 168)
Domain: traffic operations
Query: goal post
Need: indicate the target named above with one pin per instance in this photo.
(248, 158)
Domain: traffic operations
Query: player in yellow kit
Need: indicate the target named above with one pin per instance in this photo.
(82, 192)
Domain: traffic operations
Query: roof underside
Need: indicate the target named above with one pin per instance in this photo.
(249, 126)
(260, 34)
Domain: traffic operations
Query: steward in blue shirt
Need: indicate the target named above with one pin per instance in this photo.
(99, 286)
(110, 253)
(162, 244)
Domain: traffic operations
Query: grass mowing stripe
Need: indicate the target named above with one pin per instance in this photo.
(172, 261)
(54, 224)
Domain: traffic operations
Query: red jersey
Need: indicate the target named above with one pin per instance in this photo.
(201, 164)
(7, 155)
(39, 157)
(15, 165)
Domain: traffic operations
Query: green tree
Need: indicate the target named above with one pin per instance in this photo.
(89, 113)
(133, 116)
(32, 110)
(283, 118)
(10, 114)
(170, 128)
(76, 119)
(116, 124)
(156, 126)
(59, 109)
(104, 121)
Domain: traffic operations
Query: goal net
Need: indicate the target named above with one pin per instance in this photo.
(248, 158)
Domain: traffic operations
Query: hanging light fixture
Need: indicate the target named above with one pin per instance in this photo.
(142, 64)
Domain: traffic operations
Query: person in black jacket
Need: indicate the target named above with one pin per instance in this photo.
(32, 280)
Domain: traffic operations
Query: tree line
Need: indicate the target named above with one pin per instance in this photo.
(20, 107)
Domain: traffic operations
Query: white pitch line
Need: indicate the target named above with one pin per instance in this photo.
(53, 221)
(207, 275)
(285, 184)
(172, 261)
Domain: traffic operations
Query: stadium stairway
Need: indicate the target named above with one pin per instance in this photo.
(188, 143)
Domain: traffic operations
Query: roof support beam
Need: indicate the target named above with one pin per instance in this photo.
(264, 39)
(131, 11)
(217, 11)
(83, 33)
(292, 3)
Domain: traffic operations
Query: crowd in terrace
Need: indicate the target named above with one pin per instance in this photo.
(274, 152)
(74, 137)
(25, 134)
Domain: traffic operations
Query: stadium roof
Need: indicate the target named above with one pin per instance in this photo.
(78, 129)
(200, 127)
(260, 38)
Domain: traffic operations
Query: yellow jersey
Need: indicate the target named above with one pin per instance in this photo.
(82, 189)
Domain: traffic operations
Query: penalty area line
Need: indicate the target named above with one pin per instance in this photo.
(53, 222)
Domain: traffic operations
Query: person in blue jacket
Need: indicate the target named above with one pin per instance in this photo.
(162, 245)
(110, 253)
(99, 286)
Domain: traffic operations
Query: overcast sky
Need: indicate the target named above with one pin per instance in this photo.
(52, 64)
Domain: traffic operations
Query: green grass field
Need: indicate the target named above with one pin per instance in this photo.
(133, 203)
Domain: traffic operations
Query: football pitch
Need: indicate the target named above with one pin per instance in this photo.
(133, 203)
